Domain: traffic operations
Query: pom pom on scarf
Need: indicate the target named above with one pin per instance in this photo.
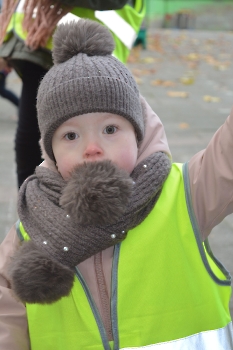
(97, 193)
(35, 278)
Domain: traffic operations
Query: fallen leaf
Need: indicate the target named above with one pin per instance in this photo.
(221, 66)
(154, 43)
(193, 64)
(187, 80)
(134, 55)
(156, 82)
(208, 98)
(182, 94)
(139, 81)
(147, 60)
(139, 72)
(168, 83)
(210, 41)
(210, 60)
(165, 83)
(183, 125)
(193, 56)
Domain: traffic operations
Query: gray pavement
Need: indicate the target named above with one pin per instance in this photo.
(8, 187)
(173, 57)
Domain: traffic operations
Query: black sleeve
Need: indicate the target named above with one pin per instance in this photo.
(96, 4)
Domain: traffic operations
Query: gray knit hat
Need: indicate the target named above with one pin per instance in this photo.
(85, 78)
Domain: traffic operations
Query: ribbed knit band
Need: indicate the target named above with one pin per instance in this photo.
(52, 231)
(86, 84)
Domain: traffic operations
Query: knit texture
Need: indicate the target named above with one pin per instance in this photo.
(57, 243)
(47, 223)
(97, 193)
(91, 80)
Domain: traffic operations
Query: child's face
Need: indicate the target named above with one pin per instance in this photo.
(94, 137)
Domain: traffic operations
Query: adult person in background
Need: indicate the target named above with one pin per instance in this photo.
(26, 29)
(4, 92)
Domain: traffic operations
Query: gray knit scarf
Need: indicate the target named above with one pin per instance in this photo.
(59, 238)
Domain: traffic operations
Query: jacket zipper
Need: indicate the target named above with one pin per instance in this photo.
(114, 296)
(113, 305)
(94, 310)
(105, 312)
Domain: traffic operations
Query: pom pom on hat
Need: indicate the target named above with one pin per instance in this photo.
(84, 36)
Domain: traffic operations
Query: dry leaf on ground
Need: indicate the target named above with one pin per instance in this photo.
(169, 83)
(147, 60)
(156, 82)
(182, 94)
(154, 43)
(134, 55)
(220, 65)
(187, 79)
(139, 72)
(208, 98)
(193, 56)
(139, 81)
(160, 82)
(183, 125)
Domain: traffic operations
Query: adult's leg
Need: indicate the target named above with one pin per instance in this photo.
(9, 95)
(28, 154)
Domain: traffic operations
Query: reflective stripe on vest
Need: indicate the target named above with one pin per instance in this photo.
(219, 339)
(20, 6)
(119, 26)
(168, 291)
(114, 22)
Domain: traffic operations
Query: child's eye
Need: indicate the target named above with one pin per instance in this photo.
(110, 129)
(71, 136)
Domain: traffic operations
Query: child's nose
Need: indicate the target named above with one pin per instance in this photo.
(93, 151)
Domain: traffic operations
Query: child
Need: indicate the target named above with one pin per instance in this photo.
(26, 28)
(113, 251)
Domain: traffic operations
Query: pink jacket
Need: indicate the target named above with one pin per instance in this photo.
(211, 182)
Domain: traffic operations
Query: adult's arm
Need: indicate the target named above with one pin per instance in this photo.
(211, 179)
(13, 320)
(100, 5)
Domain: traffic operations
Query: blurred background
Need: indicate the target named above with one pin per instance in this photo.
(190, 14)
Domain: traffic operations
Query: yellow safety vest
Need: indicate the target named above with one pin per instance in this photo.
(124, 24)
(168, 290)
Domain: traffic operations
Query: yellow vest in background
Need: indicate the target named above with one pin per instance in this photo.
(168, 291)
(124, 24)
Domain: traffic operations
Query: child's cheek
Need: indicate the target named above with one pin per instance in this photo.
(128, 160)
(65, 167)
